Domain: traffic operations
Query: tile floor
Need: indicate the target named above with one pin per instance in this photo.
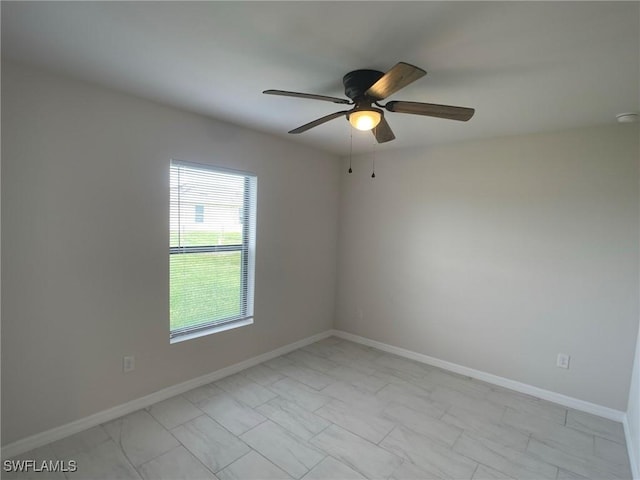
(338, 410)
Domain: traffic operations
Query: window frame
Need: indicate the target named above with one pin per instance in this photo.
(247, 257)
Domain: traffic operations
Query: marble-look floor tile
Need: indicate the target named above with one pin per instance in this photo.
(418, 387)
(308, 376)
(262, 375)
(233, 415)
(587, 466)
(357, 378)
(37, 455)
(483, 427)
(594, 425)
(322, 350)
(610, 451)
(567, 475)
(293, 417)
(176, 464)
(358, 350)
(411, 471)
(356, 398)
(80, 442)
(557, 435)
(281, 447)
(140, 436)
(506, 460)
(252, 466)
(351, 353)
(422, 424)
(487, 473)
(174, 411)
(278, 363)
(399, 375)
(402, 375)
(200, 394)
(458, 383)
(448, 396)
(444, 421)
(476, 382)
(297, 392)
(432, 456)
(526, 404)
(327, 342)
(365, 457)
(214, 446)
(400, 364)
(358, 421)
(310, 360)
(361, 365)
(416, 399)
(103, 462)
(332, 469)
(245, 390)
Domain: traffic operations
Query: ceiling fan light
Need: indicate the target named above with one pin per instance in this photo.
(365, 119)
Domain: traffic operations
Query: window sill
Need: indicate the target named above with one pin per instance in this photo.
(212, 330)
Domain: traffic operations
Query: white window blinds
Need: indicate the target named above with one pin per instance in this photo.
(212, 247)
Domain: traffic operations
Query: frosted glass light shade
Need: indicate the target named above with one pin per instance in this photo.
(365, 119)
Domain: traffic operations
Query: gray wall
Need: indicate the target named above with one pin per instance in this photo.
(85, 235)
(633, 410)
(499, 254)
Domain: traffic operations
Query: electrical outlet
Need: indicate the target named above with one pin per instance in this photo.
(563, 360)
(128, 364)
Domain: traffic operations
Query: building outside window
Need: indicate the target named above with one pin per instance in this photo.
(199, 214)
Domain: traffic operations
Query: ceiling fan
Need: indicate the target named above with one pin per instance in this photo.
(366, 88)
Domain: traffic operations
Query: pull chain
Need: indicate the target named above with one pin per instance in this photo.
(350, 148)
(375, 147)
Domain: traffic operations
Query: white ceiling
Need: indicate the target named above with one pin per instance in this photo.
(524, 66)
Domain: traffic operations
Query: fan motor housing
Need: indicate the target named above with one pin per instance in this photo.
(356, 83)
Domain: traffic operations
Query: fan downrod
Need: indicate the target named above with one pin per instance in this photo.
(356, 83)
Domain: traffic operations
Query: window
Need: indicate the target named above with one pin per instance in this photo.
(199, 215)
(212, 258)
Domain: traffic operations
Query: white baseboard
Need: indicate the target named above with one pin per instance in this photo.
(58, 433)
(559, 398)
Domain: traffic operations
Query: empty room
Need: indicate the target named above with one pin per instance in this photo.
(320, 240)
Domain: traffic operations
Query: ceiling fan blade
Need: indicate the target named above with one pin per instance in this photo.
(431, 110)
(401, 75)
(317, 122)
(383, 132)
(311, 96)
